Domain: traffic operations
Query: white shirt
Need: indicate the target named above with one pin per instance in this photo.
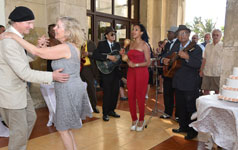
(172, 44)
(181, 47)
(16, 32)
(110, 44)
(213, 56)
(29, 55)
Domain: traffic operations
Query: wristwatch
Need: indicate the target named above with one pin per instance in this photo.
(137, 65)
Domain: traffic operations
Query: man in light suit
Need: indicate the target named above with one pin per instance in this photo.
(16, 105)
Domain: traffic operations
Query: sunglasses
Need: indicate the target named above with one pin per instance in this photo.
(112, 34)
(183, 33)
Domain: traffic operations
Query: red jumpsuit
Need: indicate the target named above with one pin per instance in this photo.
(137, 81)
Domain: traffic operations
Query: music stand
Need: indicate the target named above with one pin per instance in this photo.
(156, 110)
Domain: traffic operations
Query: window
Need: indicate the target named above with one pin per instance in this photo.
(121, 32)
(121, 8)
(89, 27)
(102, 25)
(119, 14)
(104, 6)
(134, 9)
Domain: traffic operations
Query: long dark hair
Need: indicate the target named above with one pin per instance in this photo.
(144, 36)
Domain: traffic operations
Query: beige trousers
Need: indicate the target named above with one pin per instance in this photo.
(20, 123)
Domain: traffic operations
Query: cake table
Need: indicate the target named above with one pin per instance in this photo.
(219, 118)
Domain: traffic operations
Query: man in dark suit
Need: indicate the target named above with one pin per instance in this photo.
(186, 82)
(89, 73)
(169, 92)
(110, 81)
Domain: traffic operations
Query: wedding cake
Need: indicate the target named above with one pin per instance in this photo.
(229, 91)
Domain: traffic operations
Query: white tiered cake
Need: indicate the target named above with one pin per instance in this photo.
(230, 90)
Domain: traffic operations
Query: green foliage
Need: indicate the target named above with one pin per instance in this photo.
(201, 27)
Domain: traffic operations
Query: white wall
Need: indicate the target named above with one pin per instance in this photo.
(2, 12)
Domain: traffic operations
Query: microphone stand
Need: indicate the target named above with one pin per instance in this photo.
(156, 110)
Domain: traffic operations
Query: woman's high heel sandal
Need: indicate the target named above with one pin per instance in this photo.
(133, 127)
(139, 129)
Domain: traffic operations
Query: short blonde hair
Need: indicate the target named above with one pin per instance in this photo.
(73, 31)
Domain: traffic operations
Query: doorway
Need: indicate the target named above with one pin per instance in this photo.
(122, 28)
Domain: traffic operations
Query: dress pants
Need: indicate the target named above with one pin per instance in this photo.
(20, 123)
(110, 85)
(137, 81)
(186, 105)
(169, 96)
(87, 76)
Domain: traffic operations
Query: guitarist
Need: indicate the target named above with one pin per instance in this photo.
(110, 82)
(186, 82)
(169, 92)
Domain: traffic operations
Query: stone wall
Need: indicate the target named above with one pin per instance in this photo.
(230, 51)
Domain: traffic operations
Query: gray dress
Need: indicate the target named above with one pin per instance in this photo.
(72, 102)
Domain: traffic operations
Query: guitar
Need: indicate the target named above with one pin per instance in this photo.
(84, 54)
(175, 63)
(108, 66)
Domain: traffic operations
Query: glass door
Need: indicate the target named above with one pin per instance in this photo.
(122, 28)
(101, 24)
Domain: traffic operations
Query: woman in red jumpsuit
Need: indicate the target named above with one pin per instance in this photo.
(137, 75)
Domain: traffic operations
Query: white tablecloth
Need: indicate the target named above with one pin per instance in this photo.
(218, 118)
(48, 92)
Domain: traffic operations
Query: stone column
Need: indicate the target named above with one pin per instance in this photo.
(72, 8)
(230, 51)
(159, 15)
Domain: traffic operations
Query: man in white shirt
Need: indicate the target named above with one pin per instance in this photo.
(211, 66)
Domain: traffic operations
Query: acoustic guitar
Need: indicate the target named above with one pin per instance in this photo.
(175, 63)
(108, 66)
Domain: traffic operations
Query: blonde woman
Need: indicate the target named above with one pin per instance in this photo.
(72, 102)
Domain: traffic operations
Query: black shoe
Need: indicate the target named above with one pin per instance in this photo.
(114, 114)
(164, 116)
(177, 119)
(123, 98)
(191, 135)
(179, 130)
(105, 117)
(95, 110)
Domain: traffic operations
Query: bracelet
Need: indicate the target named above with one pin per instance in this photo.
(137, 65)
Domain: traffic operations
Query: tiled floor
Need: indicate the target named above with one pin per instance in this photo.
(113, 135)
